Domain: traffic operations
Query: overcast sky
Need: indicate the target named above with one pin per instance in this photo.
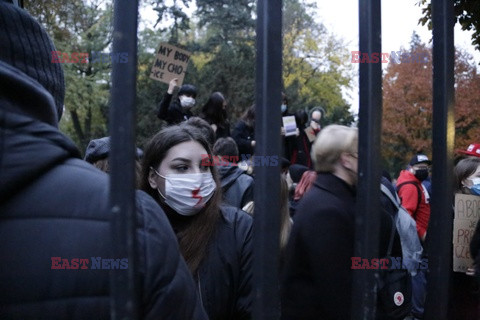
(399, 20)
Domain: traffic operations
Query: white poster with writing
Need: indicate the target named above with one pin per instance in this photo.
(467, 213)
(170, 62)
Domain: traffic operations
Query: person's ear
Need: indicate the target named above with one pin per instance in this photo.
(346, 159)
(152, 179)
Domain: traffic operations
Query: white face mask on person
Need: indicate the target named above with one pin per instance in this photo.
(187, 102)
(187, 194)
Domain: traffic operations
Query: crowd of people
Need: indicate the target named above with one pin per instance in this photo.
(194, 216)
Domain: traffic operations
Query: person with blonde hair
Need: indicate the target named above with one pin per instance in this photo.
(317, 278)
(316, 283)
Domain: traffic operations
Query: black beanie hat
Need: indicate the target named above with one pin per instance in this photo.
(97, 149)
(188, 89)
(25, 45)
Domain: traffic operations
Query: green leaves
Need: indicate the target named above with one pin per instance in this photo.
(467, 13)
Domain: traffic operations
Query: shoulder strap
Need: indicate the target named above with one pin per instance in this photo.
(395, 202)
(418, 191)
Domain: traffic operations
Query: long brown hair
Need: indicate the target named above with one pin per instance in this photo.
(193, 233)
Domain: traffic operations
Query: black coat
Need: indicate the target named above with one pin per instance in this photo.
(225, 275)
(243, 135)
(317, 278)
(52, 204)
(172, 112)
(223, 129)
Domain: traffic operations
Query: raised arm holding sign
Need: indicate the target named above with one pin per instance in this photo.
(170, 67)
(178, 110)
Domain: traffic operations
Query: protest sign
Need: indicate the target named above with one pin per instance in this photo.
(290, 125)
(170, 62)
(467, 213)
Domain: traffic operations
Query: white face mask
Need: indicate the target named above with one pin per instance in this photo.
(187, 194)
(187, 102)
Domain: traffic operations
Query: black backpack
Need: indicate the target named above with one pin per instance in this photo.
(394, 293)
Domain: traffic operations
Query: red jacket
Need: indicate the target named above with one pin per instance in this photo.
(408, 193)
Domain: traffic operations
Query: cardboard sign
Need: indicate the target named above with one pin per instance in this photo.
(171, 62)
(290, 125)
(467, 213)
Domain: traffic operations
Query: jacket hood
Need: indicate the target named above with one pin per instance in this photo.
(407, 176)
(229, 174)
(22, 94)
(29, 147)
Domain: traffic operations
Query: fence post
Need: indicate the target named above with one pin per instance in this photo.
(267, 178)
(443, 136)
(367, 217)
(124, 284)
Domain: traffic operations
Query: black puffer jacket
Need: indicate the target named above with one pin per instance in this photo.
(237, 185)
(53, 204)
(225, 275)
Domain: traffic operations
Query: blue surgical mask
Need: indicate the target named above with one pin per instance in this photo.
(284, 108)
(475, 188)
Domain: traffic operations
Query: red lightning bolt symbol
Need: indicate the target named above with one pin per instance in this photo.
(195, 195)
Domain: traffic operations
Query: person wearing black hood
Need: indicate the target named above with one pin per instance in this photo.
(237, 185)
(178, 110)
(54, 206)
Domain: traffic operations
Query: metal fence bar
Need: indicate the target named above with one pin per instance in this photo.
(440, 224)
(267, 178)
(367, 223)
(124, 284)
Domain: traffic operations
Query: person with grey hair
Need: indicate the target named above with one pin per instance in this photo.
(317, 277)
(55, 235)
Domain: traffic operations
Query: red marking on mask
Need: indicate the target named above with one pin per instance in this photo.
(195, 195)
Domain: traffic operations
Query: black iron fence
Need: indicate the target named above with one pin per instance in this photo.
(268, 98)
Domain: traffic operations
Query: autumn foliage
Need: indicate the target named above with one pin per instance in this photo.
(407, 107)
